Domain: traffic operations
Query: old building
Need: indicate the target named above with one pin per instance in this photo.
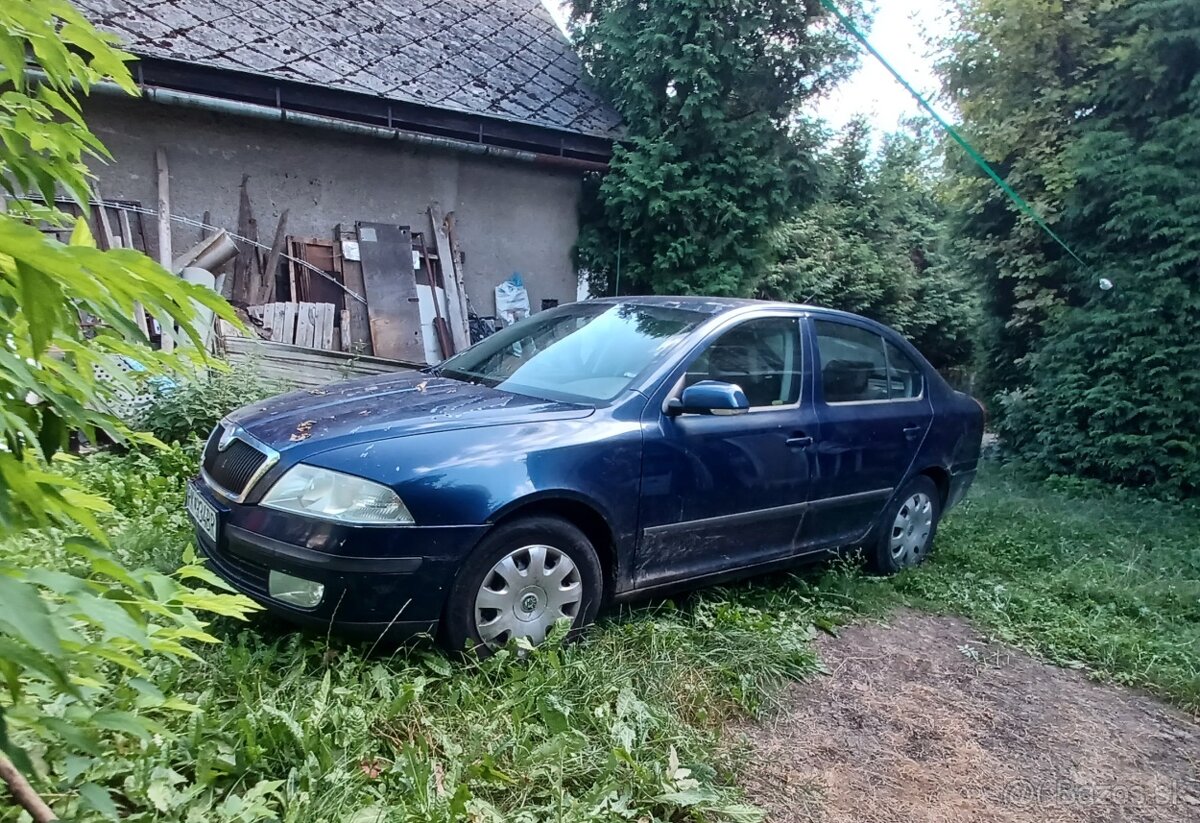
(344, 111)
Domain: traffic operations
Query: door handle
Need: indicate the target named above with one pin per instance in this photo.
(799, 441)
(911, 432)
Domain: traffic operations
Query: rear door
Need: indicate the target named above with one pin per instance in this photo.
(721, 493)
(874, 412)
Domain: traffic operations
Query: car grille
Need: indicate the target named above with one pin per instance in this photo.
(233, 468)
(244, 575)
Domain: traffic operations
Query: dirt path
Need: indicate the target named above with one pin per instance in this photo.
(923, 720)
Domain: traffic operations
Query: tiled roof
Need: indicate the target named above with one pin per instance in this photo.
(500, 58)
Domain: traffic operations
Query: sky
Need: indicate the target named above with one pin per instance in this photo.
(899, 34)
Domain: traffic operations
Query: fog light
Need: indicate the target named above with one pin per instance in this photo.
(294, 590)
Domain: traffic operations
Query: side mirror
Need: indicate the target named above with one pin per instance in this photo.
(710, 397)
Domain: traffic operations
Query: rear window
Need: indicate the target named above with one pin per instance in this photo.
(905, 380)
(853, 363)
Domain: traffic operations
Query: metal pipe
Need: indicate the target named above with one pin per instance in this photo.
(220, 105)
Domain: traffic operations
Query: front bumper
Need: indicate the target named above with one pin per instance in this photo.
(377, 580)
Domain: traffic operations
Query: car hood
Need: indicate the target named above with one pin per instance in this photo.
(375, 408)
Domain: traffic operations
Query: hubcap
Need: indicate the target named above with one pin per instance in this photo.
(525, 593)
(911, 529)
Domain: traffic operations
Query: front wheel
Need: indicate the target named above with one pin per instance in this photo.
(524, 577)
(906, 528)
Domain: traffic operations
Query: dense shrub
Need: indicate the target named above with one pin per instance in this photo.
(180, 410)
(1094, 114)
(874, 244)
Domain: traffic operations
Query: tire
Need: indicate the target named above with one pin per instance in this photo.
(514, 584)
(906, 529)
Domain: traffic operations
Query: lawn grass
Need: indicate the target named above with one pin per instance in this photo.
(1080, 574)
(626, 724)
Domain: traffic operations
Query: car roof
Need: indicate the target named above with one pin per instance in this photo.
(720, 305)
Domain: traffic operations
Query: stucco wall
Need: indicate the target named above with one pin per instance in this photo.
(511, 216)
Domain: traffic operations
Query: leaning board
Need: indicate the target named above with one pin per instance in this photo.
(391, 291)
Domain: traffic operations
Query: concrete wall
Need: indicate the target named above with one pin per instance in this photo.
(511, 216)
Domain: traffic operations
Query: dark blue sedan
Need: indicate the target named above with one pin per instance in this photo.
(592, 453)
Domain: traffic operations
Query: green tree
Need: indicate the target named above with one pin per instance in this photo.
(78, 636)
(715, 155)
(1017, 71)
(873, 244)
(1115, 387)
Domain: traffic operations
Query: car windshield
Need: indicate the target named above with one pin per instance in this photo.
(587, 352)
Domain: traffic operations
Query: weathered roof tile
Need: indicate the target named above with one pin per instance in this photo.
(502, 58)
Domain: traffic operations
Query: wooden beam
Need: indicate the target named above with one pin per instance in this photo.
(356, 333)
(163, 175)
(456, 318)
(268, 277)
(245, 266)
(458, 268)
(108, 240)
(139, 313)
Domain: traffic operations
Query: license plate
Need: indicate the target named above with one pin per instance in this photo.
(203, 513)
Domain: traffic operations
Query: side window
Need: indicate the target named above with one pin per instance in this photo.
(905, 380)
(762, 356)
(853, 363)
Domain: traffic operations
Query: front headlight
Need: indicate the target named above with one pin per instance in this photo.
(332, 495)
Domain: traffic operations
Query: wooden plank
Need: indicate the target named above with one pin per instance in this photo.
(457, 268)
(325, 341)
(272, 268)
(456, 317)
(344, 341)
(246, 284)
(293, 269)
(314, 288)
(105, 237)
(139, 314)
(267, 315)
(356, 334)
(305, 367)
(391, 291)
(440, 328)
(304, 325)
(318, 324)
(290, 312)
(281, 329)
(167, 340)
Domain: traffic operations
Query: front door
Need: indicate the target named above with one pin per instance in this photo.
(875, 413)
(721, 493)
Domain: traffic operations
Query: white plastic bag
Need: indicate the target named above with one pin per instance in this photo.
(512, 301)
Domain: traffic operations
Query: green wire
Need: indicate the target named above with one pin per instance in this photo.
(958, 138)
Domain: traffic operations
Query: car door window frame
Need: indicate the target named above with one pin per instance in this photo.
(819, 367)
(803, 372)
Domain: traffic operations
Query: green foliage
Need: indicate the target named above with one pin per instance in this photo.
(47, 387)
(79, 633)
(145, 486)
(180, 410)
(1112, 387)
(873, 245)
(716, 155)
(1020, 73)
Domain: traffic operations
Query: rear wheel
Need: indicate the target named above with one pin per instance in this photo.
(524, 577)
(906, 528)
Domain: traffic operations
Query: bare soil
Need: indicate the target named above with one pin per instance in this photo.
(924, 719)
